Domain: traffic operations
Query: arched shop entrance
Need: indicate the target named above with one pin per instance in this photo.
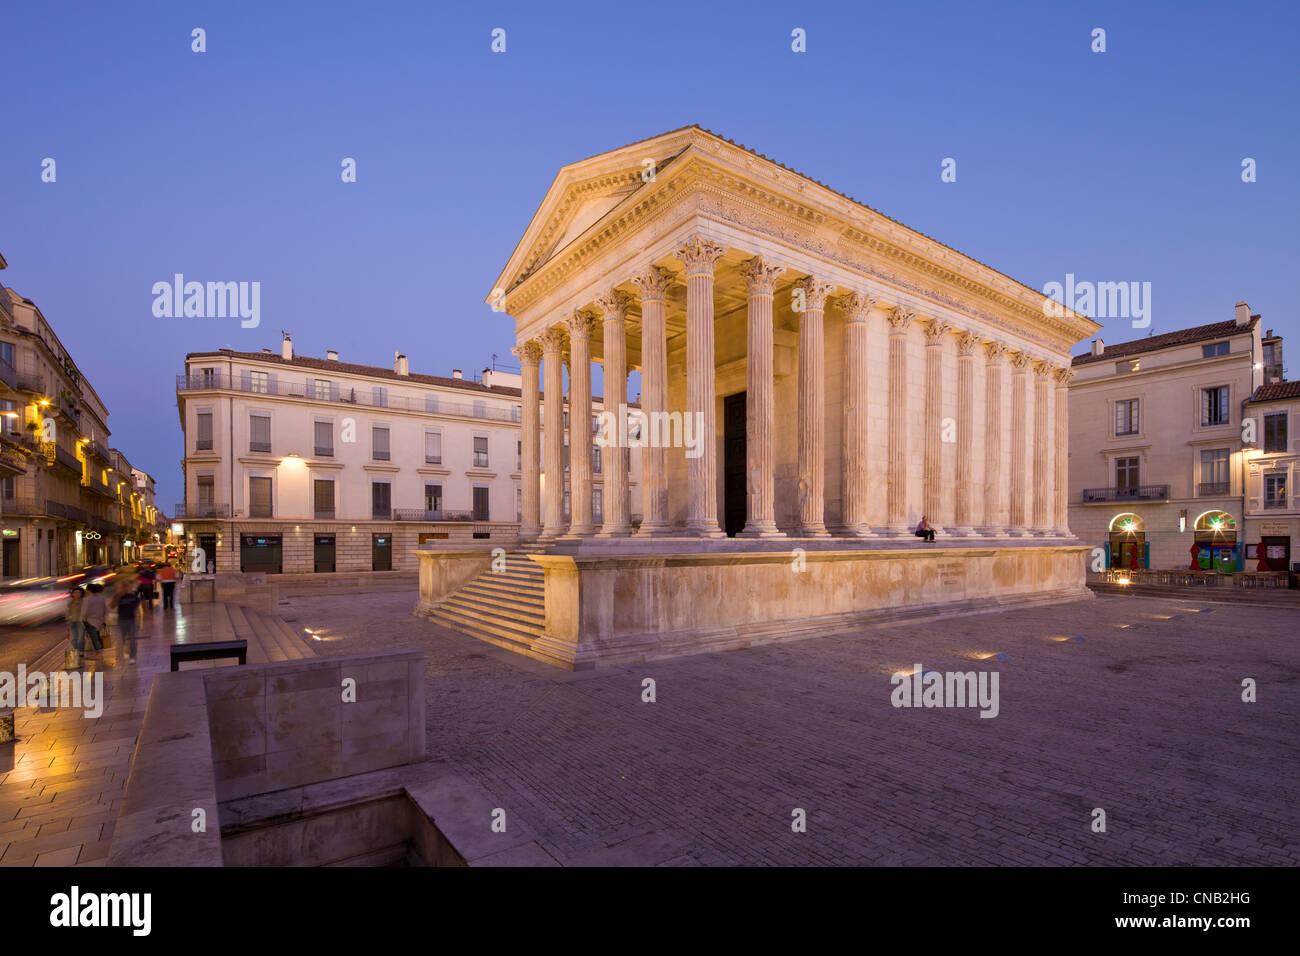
(1128, 539)
(1216, 541)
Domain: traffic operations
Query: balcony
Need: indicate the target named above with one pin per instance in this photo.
(1133, 493)
(324, 514)
(204, 509)
(1207, 488)
(420, 514)
(91, 483)
(8, 377)
(1275, 503)
(343, 395)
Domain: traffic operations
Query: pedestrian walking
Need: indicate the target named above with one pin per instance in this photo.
(126, 600)
(76, 626)
(167, 577)
(94, 610)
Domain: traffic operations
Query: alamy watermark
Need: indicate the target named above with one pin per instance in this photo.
(922, 688)
(1100, 300)
(82, 691)
(633, 428)
(211, 300)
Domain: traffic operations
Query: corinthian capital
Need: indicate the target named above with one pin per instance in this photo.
(699, 255)
(815, 292)
(760, 276)
(1020, 361)
(554, 341)
(1043, 368)
(580, 325)
(614, 305)
(994, 352)
(1063, 377)
(530, 352)
(935, 330)
(967, 342)
(856, 305)
(900, 318)
(653, 284)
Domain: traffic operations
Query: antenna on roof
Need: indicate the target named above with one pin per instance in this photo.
(494, 361)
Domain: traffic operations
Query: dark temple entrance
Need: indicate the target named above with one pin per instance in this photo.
(733, 463)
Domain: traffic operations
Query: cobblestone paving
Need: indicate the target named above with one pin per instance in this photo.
(1143, 718)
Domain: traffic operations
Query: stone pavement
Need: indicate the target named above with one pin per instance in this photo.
(1142, 717)
(61, 780)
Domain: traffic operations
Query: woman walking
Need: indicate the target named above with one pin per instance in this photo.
(76, 626)
(93, 612)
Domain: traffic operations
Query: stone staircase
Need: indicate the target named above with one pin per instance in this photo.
(506, 608)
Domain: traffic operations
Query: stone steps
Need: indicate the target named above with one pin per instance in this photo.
(506, 608)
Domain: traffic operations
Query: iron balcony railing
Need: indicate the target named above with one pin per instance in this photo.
(346, 395)
(204, 509)
(420, 514)
(1275, 502)
(8, 376)
(1213, 488)
(1132, 493)
(326, 514)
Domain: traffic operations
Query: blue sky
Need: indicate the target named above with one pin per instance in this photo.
(1115, 166)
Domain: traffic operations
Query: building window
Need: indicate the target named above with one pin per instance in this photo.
(259, 497)
(1128, 365)
(323, 495)
(379, 396)
(259, 382)
(519, 503)
(480, 409)
(1210, 351)
(207, 496)
(1270, 354)
(516, 413)
(431, 404)
(321, 388)
(381, 499)
(1214, 405)
(1275, 439)
(519, 454)
(259, 433)
(1126, 475)
(595, 460)
(480, 451)
(433, 448)
(1275, 491)
(324, 439)
(1126, 417)
(203, 441)
(7, 487)
(7, 353)
(1214, 472)
(208, 377)
(379, 443)
(480, 503)
(597, 504)
(433, 498)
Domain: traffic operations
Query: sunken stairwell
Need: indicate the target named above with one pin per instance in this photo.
(506, 608)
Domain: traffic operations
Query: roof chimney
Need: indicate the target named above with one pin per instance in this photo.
(400, 365)
(1243, 314)
(286, 348)
(1098, 346)
(456, 373)
(332, 355)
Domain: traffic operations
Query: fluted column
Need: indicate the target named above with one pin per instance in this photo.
(899, 321)
(653, 286)
(618, 519)
(856, 306)
(932, 480)
(1018, 477)
(760, 410)
(554, 342)
(699, 256)
(812, 409)
(530, 434)
(1061, 451)
(994, 488)
(580, 327)
(1042, 479)
(966, 344)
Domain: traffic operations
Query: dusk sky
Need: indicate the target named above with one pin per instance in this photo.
(225, 165)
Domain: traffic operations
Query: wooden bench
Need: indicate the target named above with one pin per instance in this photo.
(208, 651)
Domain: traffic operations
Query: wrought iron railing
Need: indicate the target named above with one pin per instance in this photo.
(1213, 488)
(1131, 493)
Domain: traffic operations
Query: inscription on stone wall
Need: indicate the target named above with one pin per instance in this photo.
(952, 574)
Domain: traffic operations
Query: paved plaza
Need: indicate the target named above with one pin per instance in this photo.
(1128, 704)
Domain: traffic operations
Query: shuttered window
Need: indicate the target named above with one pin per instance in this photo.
(379, 443)
(324, 439)
(203, 441)
(259, 433)
(259, 497)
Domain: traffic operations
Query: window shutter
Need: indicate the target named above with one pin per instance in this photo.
(311, 388)
(1205, 406)
(246, 380)
(270, 387)
(334, 391)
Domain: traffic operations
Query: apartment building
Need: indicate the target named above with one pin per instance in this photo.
(1272, 470)
(61, 493)
(1158, 465)
(296, 464)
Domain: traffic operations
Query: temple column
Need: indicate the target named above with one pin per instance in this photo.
(932, 479)
(899, 321)
(553, 345)
(1042, 475)
(699, 255)
(966, 344)
(760, 409)
(618, 519)
(812, 409)
(530, 434)
(856, 307)
(1061, 452)
(994, 496)
(653, 286)
(1018, 478)
(580, 326)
